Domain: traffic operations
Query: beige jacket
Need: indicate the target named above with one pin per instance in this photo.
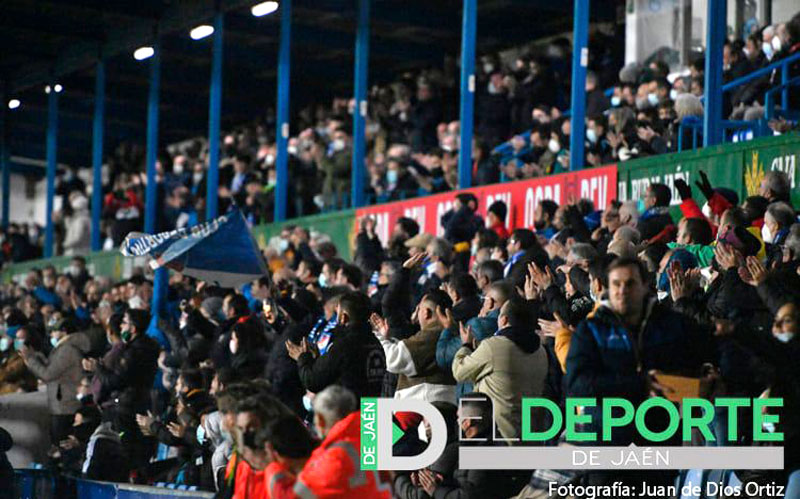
(504, 372)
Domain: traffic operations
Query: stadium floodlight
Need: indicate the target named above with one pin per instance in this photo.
(143, 53)
(201, 32)
(14, 103)
(58, 88)
(264, 8)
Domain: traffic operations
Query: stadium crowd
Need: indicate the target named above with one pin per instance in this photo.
(413, 137)
(254, 392)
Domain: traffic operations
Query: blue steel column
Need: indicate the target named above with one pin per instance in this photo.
(214, 115)
(160, 281)
(360, 112)
(715, 37)
(467, 108)
(580, 59)
(4, 163)
(97, 152)
(282, 121)
(151, 190)
(52, 136)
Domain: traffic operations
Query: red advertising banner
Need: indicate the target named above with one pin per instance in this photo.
(521, 197)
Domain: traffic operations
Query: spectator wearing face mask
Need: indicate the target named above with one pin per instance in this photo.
(336, 165)
(354, 360)
(77, 226)
(14, 374)
(778, 219)
(61, 370)
(780, 351)
(128, 382)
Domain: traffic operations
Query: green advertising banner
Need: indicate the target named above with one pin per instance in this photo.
(778, 155)
(339, 226)
(739, 167)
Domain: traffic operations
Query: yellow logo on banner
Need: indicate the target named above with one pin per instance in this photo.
(753, 175)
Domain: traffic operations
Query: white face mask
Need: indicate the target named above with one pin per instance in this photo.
(616, 100)
(707, 211)
(554, 146)
(488, 67)
(197, 177)
(783, 337)
(338, 145)
(233, 346)
(767, 49)
(673, 94)
(767, 234)
(776, 43)
(177, 169)
(80, 203)
(653, 99)
(292, 150)
(269, 160)
(591, 135)
(136, 302)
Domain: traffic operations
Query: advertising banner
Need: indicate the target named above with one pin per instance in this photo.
(724, 169)
(597, 184)
(779, 157)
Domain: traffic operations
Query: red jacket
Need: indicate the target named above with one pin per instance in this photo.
(717, 203)
(278, 481)
(248, 483)
(334, 469)
(500, 230)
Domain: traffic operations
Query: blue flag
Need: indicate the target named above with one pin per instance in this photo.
(221, 251)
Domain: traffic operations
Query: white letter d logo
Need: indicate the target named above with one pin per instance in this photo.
(386, 407)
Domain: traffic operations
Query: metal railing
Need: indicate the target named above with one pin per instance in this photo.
(782, 65)
(695, 125)
(769, 103)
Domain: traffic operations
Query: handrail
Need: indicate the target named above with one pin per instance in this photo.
(695, 124)
(769, 104)
(758, 73)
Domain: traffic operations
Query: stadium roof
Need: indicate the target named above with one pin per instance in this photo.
(46, 41)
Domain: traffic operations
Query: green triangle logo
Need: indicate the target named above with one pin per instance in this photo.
(397, 433)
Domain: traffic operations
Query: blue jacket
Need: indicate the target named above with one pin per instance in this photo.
(450, 341)
(607, 360)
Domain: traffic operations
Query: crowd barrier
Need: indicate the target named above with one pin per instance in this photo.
(42, 484)
(739, 166)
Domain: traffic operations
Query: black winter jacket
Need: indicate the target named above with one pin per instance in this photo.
(355, 360)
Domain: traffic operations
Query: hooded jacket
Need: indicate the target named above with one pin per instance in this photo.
(334, 468)
(507, 366)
